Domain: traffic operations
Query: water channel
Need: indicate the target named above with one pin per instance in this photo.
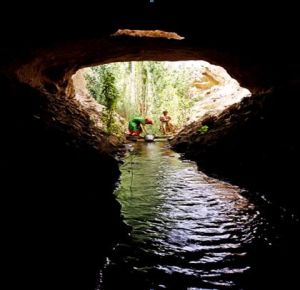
(191, 231)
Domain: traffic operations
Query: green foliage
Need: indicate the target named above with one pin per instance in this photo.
(143, 88)
(101, 84)
(203, 129)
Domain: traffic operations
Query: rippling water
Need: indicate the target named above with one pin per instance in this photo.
(189, 231)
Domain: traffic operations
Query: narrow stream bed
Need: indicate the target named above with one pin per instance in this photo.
(191, 231)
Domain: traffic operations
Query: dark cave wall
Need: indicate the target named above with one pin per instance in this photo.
(59, 212)
(252, 143)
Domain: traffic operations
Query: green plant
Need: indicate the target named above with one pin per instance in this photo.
(203, 129)
(145, 88)
(101, 84)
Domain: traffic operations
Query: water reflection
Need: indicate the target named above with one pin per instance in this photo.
(189, 231)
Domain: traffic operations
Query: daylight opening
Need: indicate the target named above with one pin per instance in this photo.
(116, 93)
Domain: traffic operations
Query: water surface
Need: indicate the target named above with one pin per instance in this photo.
(191, 231)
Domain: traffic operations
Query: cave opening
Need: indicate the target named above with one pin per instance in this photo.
(150, 212)
(187, 90)
(60, 215)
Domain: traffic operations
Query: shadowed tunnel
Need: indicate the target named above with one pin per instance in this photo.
(59, 222)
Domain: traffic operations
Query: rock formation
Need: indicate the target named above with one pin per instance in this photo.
(58, 174)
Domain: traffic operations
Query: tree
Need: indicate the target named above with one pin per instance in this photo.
(101, 84)
(145, 88)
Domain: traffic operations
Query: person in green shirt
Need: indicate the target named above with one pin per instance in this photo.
(137, 125)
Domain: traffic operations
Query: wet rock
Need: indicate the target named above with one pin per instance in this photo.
(251, 143)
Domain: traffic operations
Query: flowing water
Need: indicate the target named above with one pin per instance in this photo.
(191, 231)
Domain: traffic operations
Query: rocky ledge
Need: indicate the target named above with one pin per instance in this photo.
(251, 143)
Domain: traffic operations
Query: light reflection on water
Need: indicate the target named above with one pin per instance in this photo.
(189, 231)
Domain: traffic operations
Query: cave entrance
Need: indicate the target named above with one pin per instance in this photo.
(187, 90)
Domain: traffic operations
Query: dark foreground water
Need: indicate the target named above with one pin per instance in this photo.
(190, 231)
